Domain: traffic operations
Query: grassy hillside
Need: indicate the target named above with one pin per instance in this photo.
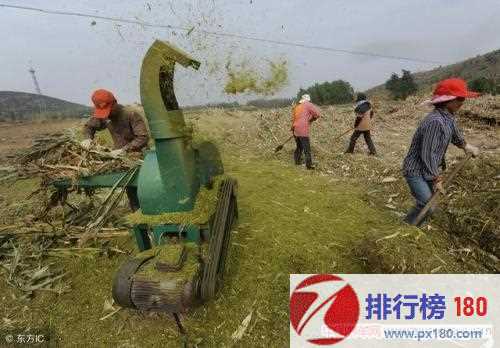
(27, 106)
(486, 65)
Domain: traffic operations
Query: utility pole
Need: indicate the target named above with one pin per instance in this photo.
(35, 81)
(41, 103)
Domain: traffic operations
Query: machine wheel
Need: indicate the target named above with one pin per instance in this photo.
(122, 283)
(220, 233)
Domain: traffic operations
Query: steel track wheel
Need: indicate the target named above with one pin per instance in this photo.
(122, 282)
(220, 230)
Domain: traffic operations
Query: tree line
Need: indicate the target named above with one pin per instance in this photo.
(402, 87)
(399, 87)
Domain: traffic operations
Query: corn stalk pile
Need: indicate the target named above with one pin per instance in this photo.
(485, 110)
(60, 156)
(47, 224)
(473, 208)
(329, 138)
(469, 211)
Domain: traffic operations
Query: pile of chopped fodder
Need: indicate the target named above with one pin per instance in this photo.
(473, 210)
(204, 208)
(170, 254)
(410, 250)
(60, 156)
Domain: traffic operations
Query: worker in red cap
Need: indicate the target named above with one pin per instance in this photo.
(127, 128)
(426, 155)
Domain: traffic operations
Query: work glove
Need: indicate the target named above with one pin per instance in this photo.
(86, 144)
(473, 150)
(438, 185)
(117, 153)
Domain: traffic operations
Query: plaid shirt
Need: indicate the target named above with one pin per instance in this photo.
(429, 144)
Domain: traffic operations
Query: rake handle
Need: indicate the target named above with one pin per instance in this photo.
(435, 195)
(341, 135)
(279, 147)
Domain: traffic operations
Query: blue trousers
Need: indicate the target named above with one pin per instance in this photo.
(422, 190)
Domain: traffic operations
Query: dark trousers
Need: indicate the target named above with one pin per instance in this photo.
(303, 146)
(133, 200)
(368, 140)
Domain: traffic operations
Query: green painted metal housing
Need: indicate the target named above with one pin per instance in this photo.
(97, 181)
(173, 172)
(167, 181)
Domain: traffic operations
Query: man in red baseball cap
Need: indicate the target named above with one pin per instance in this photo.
(426, 155)
(103, 101)
(127, 128)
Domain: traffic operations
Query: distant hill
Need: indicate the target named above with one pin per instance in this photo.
(486, 65)
(28, 106)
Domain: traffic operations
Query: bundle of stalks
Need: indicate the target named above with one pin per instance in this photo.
(60, 156)
(46, 226)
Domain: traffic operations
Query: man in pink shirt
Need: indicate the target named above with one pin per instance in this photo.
(304, 113)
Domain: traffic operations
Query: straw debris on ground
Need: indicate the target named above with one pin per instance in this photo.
(469, 212)
(344, 217)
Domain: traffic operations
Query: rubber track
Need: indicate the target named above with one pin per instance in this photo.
(219, 239)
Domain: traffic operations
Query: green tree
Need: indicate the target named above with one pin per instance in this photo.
(408, 85)
(401, 87)
(392, 84)
(484, 85)
(335, 92)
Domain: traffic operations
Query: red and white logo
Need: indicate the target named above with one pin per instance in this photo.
(324, 309)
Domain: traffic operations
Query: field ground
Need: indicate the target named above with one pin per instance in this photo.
(291, 221)
(15, 136)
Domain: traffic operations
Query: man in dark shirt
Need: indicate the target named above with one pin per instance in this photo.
(127, 128)
(430, 142)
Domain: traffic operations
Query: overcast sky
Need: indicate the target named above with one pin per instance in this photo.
(72, 56)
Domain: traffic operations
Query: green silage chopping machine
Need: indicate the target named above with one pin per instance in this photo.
(188, 206)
